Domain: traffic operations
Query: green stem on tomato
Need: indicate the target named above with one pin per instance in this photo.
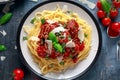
(106, 5)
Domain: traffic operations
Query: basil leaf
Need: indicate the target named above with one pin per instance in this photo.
(52, 37)
(58, 47)
(106, 5)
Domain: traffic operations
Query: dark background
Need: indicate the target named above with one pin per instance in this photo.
(106, 67)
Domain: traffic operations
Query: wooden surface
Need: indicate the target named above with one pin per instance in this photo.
(106, 67)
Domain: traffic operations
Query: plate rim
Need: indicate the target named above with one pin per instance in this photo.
(52, 1)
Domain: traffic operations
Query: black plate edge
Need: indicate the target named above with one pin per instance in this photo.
(71, 2)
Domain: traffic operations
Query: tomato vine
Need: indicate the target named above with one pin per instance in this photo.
(107, 12)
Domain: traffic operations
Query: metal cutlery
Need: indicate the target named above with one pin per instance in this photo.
(118, 51)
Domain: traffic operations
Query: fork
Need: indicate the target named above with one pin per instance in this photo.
(118, 51)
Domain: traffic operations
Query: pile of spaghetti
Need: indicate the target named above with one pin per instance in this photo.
(58, 40)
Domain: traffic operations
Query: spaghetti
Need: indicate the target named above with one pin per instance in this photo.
(58, 40)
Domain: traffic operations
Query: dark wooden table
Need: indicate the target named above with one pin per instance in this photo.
(106, 67)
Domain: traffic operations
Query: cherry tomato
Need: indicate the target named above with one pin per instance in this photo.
(106, 21)
(112, 33)
(115, 26)
(99, 5)
(101, 14)
(113, 13)
(17, 78)
(116, 3)
(18, 74)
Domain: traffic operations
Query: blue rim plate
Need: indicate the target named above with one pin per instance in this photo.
(81, 67)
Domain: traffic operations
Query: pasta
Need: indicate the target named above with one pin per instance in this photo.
(56, 50)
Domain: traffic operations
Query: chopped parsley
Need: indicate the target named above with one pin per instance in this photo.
(71, 56)
(43, 21)
(46, 57)
(72, 50)
(33, 20)
(57, 33)
(85, 35)
(25, 38)
(64, 25)
(2, 47)
(51, 65)
(62, 63)
(63, 46)
(69, 37)
(70, 12)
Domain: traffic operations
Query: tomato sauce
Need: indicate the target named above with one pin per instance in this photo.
(71, 34)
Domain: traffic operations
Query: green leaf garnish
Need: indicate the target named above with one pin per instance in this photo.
(62, 63)
(2, 48)
(106, 5)
(69, 37)
(70, 12)
(5, 18)
(71, 56)
(25, 38)
(33, 20)
(46, 57)
(58, 47)
(57, 33)
(85, 35)
(64, 25)
(43, 21)
(52, 36)
(51, 65)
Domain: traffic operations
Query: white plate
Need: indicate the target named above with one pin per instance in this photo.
(84, 65)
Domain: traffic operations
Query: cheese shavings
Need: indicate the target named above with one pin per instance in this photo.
(70, 44)
(49, 42)
(81, 35)
(3, 33)
(2, 58)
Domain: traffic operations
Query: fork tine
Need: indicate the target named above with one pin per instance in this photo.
(118, 51)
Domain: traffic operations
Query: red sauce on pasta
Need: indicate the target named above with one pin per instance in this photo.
(71, 32)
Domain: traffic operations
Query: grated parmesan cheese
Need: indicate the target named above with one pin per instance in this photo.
(81, 34)
(15, 47)
(70, 44)
(3, 33)
(49, 42)
(58, 29)
(59, 58)
(2, 58)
